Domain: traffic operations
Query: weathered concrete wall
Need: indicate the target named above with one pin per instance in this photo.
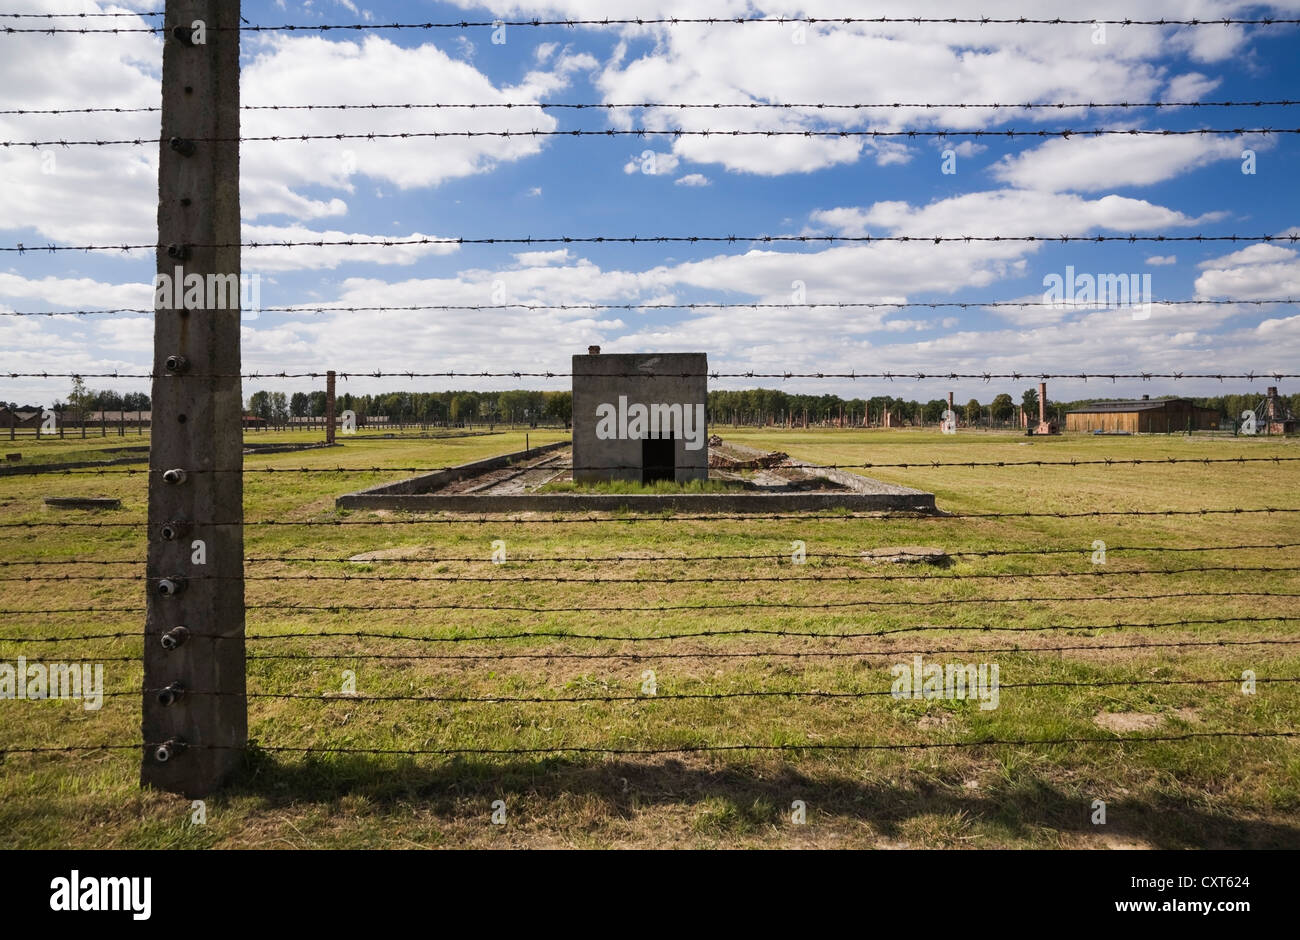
(418, 494)
(645, 379)
(427, 482)
(611, 502)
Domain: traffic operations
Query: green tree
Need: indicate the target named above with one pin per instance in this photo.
(279, 408)
(513, 405)
(973, 412)
(1029, 402)
(559, 405)
(933, 411)
(80, 398)
(259, 405)
(108, 400)
(464, 406)
(1003, 407)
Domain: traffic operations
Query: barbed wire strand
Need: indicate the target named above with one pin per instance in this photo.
(1095, 572)
(778, 556)
(677, 106)
(669, 749)
(773, 654)
(729, 605)
(73, 15)
(1183, 622)
(350, 697)
(1253, 376)
(834, 305)
(644, 132)
(715, 654)
(674, 21)
(914, 465)
(1291, 238)
(662, 517)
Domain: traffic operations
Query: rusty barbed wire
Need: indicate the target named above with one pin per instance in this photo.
(766, 654)
(715, 106)
(706, 654)
(75, 15)
(350, 697)
(729, 605)
(459, 638)
(1097, 572)
(606, 22)
(1291, 238)
(662, 518)
(698, 654)
(1252, 376)
(770, 605)
(915, 465)
(644, 132)
(254, 746)
(778, 556)
(835, 305)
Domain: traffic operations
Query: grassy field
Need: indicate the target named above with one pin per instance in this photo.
(1201, 792)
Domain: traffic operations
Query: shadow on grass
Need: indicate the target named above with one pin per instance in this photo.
(740, 798)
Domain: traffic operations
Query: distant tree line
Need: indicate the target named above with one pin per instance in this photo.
(451, 407)
(751, 407)
(82, 400)
(764, 406)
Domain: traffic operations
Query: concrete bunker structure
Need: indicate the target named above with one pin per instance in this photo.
(640, 417)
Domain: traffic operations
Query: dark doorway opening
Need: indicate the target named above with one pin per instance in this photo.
(658, 459)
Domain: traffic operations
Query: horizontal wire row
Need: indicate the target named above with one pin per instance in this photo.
(490, 519)
(1251, 376)
(670, 749)
(642, 559)
(915, 465)
(713, 654)
(663, 608)
(666, 21)
(744, 579)
(1288, 238)
(751, 105)
(643, 132)
(80, 16)
(349, 697)
(837, 305)
(528, 635)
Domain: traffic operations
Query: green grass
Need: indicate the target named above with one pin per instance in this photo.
(1199, 793)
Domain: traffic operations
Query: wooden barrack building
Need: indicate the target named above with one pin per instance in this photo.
(1143, 416)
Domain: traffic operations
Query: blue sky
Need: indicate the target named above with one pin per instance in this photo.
(593, 186)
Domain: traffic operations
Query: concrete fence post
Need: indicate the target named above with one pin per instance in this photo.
(329, 407)
(195, 720)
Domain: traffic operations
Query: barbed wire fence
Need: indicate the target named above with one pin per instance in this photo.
(194, 662)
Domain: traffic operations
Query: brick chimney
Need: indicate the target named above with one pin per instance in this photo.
(1042, 402)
